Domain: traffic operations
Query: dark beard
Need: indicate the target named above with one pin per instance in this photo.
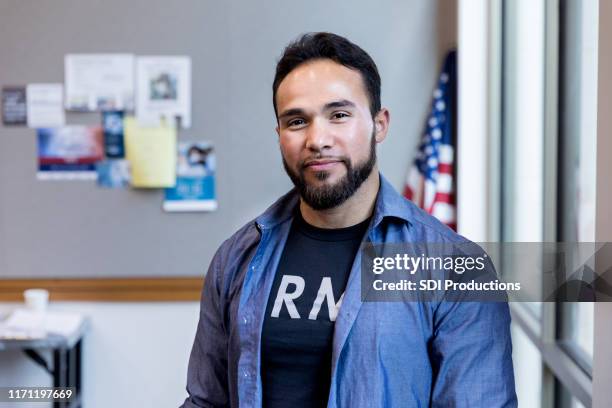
(330, 196)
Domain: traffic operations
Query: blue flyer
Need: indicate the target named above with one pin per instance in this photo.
(195, 179)
(112, 122)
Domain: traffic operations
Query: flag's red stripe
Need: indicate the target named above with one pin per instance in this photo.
(408, 192)
(444, 198)
(445, 168)
(421, 202)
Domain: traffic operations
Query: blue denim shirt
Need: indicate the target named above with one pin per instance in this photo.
(385, 354)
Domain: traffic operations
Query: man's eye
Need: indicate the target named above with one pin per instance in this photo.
(340, 115)
(295, 122)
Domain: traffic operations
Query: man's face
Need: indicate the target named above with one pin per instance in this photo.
(326, 132)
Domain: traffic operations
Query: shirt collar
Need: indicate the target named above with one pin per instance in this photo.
(389, 203)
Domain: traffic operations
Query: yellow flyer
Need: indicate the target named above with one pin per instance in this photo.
(151, 152)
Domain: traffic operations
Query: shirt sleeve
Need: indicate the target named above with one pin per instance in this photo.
(471, 354)
(207, 378)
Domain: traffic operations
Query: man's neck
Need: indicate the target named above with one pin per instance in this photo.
(353, 211)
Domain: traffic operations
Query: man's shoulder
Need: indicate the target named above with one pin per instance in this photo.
(435, 226)
(241, 239)
(250, 233)
(426, 225)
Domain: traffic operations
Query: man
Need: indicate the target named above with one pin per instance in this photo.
(282, 323)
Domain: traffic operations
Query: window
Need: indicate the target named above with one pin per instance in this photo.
(577, 153)
(548, 139)
(522, 117)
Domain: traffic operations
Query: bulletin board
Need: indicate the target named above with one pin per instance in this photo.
(84, 242)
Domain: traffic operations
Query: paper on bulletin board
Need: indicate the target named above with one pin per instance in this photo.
(112, 123)
(45, 105)
(14, 110)
(163, 90)
(113, 173)
(99, 82)
(69, 152)
(151, 152)
(195, 179)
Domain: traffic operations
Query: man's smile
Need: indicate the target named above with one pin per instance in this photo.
(322, 164)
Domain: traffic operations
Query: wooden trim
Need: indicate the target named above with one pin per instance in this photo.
(107, 289)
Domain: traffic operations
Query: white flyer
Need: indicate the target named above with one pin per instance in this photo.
(163, 90)
(99, 82)
(44, 104)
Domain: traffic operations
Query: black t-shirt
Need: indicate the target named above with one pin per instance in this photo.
(298, 327)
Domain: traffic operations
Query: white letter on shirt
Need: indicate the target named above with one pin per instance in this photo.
(326, 292)
(287, 298)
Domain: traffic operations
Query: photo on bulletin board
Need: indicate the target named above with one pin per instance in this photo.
(69, 152)
(195, 179)
(163, 90)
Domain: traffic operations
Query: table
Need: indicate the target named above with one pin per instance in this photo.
(66, 361)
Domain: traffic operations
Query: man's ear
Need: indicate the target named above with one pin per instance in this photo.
(277, 131)
(381, 124)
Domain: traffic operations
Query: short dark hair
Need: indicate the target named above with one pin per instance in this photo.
(313, 46)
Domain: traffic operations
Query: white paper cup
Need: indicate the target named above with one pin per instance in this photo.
(36, 299)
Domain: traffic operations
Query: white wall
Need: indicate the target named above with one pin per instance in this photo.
(134, 355)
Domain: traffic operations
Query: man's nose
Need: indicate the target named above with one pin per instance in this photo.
(319, 136)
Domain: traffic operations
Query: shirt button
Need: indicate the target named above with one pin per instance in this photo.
(253, 267)
(245, 320)
(245, 373)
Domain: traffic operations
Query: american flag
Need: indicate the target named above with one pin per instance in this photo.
(430, 183)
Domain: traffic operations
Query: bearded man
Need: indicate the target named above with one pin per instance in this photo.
(282, 322)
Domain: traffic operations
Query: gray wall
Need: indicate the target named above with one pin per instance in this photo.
(74, 229)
